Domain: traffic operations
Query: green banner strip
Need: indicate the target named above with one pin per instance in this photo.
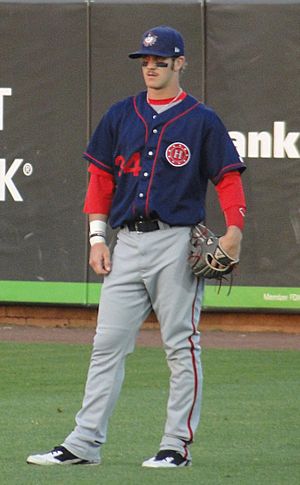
(251, 297)
(46, 292)
(240, 297)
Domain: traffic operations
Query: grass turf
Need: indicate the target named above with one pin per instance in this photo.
(249, 432)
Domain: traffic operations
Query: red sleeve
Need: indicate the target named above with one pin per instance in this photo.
(232, 199)
(100, 192)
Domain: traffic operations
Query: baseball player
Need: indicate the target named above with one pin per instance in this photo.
(150, 160)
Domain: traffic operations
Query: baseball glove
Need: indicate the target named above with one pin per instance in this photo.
(208, 259)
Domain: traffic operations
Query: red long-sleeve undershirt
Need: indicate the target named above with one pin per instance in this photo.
(230, 194)
(232, 199)
(100, 191)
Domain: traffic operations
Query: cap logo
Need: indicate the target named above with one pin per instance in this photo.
(149, 40)
(178, 154)
(176, 49)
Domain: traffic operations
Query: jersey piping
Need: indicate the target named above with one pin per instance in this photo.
(141, 118)
(216, 179)
(98, 163)
(196, 383)
(158, 144)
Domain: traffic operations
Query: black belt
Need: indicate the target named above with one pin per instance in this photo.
(143, 226)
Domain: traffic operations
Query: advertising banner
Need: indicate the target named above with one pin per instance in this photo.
(64, 63)
(43, 131)
(252, 77)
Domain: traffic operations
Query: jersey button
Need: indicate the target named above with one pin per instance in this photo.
(155, 130)
(141, 195)
(150, 153)
(154, 116)
(146, 174)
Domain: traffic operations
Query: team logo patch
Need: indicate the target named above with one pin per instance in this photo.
(178, 154)
(150, 40)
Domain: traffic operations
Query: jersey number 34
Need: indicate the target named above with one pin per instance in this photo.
(133, 165)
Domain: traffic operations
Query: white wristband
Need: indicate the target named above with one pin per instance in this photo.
(98, 226)
(97, 232)
(96, 239)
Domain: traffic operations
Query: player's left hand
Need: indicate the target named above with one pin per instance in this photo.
(209, 258)
(231, 242)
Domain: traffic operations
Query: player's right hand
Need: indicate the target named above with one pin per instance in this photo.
(100, 259)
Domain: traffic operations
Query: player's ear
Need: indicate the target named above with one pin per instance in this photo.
(179, 63)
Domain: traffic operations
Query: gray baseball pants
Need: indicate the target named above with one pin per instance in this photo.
(149, 270)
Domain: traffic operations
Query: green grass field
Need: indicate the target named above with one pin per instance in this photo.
(249, 433)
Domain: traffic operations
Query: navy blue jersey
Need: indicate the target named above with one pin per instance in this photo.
(161, 163)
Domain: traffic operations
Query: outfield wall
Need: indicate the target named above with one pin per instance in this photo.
(64, 63)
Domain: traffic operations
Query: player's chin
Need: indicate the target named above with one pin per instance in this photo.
(152, 82)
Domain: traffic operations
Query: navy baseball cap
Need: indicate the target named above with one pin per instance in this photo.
(160, 41)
